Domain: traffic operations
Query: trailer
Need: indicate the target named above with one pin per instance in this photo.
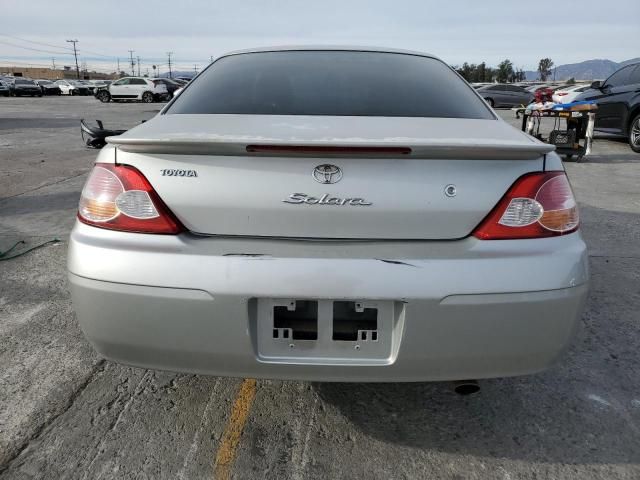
(575, 139)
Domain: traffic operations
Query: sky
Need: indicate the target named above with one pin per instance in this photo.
(35, 31)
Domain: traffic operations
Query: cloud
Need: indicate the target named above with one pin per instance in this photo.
(455, 30)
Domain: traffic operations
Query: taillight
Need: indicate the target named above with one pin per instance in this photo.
(119, 197)
(537, 205)
(562, 94)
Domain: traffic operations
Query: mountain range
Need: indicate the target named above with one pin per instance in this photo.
(597, 69)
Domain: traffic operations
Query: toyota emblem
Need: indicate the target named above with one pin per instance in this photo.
(327, 173)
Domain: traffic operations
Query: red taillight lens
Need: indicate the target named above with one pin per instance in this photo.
(561, 94)
(537, 205)
(323, 149)
(119, 197)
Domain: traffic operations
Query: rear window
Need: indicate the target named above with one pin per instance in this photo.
(342, 83)
(24, 82)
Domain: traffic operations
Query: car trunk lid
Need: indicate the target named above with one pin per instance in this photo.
(393, 178)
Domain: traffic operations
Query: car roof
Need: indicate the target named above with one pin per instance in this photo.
(337, 48)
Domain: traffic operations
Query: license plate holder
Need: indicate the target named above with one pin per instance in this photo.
(320, 331)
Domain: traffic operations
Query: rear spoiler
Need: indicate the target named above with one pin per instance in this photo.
(437, 149)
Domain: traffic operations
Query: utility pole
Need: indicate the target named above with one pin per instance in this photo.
(195, 69)
(118, 69)
(138, 58)
(75, 54)
(169, 55)
(133, 64)
(53, 63)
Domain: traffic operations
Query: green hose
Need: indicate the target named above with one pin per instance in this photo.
(5, 255)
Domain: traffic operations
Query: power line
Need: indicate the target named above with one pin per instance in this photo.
(67, 52)
(100, 54)
(37, 43)
(33, 49)
(75, 54)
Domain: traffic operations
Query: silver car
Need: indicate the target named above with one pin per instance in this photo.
(333, 215)
(503, 95)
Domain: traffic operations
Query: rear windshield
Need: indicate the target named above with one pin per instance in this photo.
(343, 83)
(24, 82)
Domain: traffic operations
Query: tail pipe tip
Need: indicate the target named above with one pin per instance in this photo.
(466, 387)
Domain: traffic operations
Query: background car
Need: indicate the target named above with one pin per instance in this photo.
(171, 84)
(66, 87)
(533, 87)
(568, 94)
(618, 99)
(4, 88)
(503, 95)
(133, 88)
(544, 93)
(97, 84)
(88, 84)
(48, 87)
(25, 86)
(81, 87)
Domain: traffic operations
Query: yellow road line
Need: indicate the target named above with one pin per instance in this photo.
(231, 437)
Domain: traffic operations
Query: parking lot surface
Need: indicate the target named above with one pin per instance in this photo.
(66, 413)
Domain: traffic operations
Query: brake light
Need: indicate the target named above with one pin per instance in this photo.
(327, 149)
(537, 205)
(561, 94)
(119, 197)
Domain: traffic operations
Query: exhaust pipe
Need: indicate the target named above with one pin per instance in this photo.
(466, 387)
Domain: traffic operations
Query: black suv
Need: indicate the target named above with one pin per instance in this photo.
(618, 99)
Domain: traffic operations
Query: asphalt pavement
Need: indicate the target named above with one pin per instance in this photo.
(66, 413)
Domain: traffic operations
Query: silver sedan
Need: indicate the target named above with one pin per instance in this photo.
(329, 214)
(503, 95)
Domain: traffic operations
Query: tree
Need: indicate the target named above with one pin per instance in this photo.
(481, 72)
(466, 71)
(475, 73)
(544, 68)
(571, 81)
(505, 71)
(520, 76)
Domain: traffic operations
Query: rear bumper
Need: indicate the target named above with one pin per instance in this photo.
(188, 304)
